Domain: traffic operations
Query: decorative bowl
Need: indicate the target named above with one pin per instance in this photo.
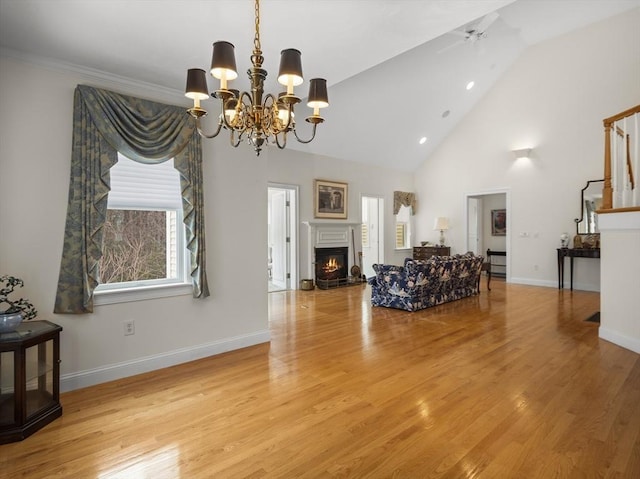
(9, 322)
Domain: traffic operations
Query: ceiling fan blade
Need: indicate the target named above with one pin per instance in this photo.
(486, 21)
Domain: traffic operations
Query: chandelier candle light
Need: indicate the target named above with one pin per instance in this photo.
(255, 116)
(442, 224)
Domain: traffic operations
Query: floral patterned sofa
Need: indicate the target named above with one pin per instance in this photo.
(422, 284)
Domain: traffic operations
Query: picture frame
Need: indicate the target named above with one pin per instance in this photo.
(330, 199)
(499, 222)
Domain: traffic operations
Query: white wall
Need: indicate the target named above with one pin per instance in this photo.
(35, 154)
(620, 304)
(553, 99)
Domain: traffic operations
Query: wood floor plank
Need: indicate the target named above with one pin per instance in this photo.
(512, 383)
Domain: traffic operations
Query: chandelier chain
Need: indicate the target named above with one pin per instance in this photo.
(257, 59)
(256, 40)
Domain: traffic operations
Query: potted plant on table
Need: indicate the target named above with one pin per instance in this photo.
(13, 312)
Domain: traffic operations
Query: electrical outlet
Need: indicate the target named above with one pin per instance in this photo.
(129, 328)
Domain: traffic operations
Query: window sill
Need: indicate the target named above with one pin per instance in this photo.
(402, 249)
(142, 293)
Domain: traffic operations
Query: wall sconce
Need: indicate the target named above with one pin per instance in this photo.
(442, 224)
(524, 153)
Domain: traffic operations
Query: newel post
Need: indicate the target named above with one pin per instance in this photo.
(607, 192)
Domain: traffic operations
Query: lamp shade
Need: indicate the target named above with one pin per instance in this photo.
(223, 61)
(196, 84)
(442, 223)
(290, 67)
(318, 97)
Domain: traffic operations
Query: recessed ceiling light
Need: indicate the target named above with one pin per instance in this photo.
(423, 140)
(470, 85)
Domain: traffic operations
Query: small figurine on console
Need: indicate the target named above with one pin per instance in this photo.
(564, 240)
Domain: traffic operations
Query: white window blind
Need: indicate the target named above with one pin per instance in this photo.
(401, 235)
(143, 186)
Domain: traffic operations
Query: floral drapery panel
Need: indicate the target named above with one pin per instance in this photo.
(103, 124)
(402, 198)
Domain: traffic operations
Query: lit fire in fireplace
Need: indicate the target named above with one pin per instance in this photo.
(331, 263)
(331, 266)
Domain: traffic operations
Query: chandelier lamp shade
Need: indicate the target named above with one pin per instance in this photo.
(256, 117)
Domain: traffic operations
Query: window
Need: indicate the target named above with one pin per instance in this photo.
(143, 243)
(401, 235)
(403, 228)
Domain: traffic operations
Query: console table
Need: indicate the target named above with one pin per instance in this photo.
(573, 253)
(426, 252)
(29, 379)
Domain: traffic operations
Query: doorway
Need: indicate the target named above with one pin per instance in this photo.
(480, 237)
(282, 237)
(372, 233)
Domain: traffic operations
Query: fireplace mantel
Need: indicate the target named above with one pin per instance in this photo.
(330, 224)
(330, 234)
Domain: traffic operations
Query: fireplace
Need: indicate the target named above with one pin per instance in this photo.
(331, 266)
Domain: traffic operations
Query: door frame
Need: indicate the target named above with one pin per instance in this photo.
(495, 191)
(294, 230)
(479, 230)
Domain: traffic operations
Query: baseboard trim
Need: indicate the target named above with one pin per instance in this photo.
(632, 344)
(534, 282)
(554, 284)
(91, 377)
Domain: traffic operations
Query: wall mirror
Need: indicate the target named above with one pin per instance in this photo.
(590, 201)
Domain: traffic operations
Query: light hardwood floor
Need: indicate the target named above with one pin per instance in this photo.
(512, 383)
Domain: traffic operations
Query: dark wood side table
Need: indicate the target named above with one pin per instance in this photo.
(426, 252)
(489, 264)
(29, 379)
(573, 253)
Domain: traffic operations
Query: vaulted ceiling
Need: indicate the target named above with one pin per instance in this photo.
(397, 70)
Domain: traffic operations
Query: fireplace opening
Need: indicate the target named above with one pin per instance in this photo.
(331, 264)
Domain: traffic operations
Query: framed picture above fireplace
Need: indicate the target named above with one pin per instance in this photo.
(330, 199)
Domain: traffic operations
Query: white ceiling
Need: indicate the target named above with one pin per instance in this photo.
(389, 80)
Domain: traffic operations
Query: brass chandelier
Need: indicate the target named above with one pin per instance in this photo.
(254, 116)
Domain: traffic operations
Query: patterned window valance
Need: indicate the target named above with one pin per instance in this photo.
(103, 124)
(402, 198)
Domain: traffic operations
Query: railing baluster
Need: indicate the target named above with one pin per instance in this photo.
(614, 193)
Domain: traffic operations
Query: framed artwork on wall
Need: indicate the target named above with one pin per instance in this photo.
(330, 199)
(498, 222)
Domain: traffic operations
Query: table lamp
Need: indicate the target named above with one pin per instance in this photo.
(441, 224)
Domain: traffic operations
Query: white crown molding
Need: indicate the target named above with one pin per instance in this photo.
(169, 94)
